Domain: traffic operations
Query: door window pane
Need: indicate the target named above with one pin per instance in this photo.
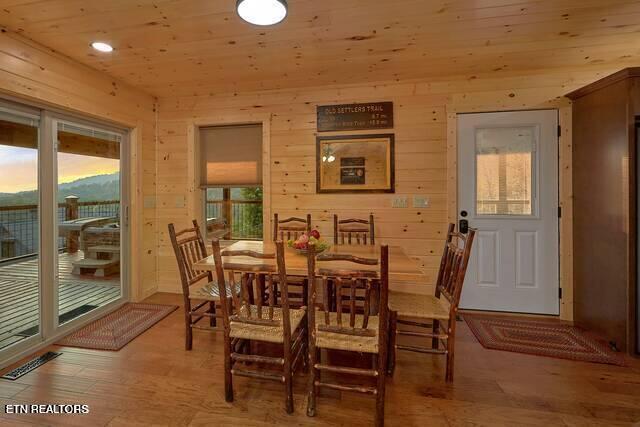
(89, 249)
(19, 225)
(504, 170)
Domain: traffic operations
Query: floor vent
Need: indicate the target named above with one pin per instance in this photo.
(30, 366)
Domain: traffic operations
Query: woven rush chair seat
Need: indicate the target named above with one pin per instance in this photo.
(433, 316)
(336, 341)
(210, 291)
(348, 311)
(266, 333)
(248, 319)
(418, 306)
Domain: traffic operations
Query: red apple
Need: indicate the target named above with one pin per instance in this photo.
(315, 233)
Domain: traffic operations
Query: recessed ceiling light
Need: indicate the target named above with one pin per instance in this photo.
(262, 12)
(102, 47)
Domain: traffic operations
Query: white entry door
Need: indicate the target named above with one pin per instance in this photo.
(508, 191)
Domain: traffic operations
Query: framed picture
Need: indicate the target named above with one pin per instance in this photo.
(355, 163)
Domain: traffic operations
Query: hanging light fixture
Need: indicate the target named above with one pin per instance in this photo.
(262, 12)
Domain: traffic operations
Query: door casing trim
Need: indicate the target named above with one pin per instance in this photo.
(565, 194)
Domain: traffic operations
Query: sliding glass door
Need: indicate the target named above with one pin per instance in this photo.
(19, 226)
(63, 224)
(88, 221)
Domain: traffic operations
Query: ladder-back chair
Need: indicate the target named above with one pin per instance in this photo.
(263, 321)
(429, 311)
(290, 228)
(353, 231)
(287, 229)
(347, 328)
(198, 287)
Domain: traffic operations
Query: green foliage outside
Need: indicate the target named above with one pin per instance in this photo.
(248, 221)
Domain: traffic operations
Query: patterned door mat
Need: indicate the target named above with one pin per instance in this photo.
(117, 329)
(540, 338)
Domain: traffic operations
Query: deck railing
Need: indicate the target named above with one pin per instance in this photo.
(243, 220)
(19, 224)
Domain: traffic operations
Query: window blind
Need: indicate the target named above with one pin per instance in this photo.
(231, 156)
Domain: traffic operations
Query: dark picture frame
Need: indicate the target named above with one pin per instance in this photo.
(354, 172)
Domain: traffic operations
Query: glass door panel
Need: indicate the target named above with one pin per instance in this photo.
(19, 227)
(89, 213)
(505, 170)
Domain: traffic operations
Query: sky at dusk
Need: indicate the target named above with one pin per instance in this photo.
(19, 168)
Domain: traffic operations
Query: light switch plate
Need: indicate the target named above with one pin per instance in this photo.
(420, 202)
(400, 202)
(180, 202)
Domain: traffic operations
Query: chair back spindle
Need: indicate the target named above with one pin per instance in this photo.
(353, 231)
(189, 248)
(243, 308)
(290, 228)
(346, 273)
(453, 265)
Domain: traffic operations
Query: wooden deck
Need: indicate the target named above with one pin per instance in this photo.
(19, 296)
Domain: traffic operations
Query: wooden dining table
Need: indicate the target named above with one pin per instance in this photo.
(403, 270)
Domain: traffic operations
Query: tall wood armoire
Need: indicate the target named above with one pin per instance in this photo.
(605, 115)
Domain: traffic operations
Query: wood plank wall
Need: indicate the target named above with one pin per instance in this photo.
(425, 154)
(34, 73)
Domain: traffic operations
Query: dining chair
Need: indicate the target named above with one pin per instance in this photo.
(290, 228)
(345, 328)
(286, 229)
(246, 322)
(349, 231)
(199, 290)
(430, 311)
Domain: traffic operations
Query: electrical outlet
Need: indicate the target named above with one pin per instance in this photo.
(149, 202)
(420, 202)
(180, 202)
(400, 202)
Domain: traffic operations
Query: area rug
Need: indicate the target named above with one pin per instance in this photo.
(540, 338)
(117, 329)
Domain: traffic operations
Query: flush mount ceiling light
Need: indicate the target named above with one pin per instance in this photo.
(102, 47)
(262, 12)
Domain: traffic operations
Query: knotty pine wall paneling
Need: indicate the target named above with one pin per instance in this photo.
(33, 73)
(425, 114)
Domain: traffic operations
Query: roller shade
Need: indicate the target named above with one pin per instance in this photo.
(231, 156)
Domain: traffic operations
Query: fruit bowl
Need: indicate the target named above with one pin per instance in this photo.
(320, 247)
(301, 244)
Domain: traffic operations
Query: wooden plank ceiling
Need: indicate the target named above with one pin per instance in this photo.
(199, 47)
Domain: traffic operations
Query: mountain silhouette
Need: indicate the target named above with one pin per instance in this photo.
(88, 189)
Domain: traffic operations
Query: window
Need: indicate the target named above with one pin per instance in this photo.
(231, 178)
(504, 171)
(234, 213)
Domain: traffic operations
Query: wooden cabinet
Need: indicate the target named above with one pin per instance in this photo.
(604, 207)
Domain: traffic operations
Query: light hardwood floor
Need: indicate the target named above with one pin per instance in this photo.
(153, 380)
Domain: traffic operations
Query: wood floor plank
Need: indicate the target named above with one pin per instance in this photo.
(154, 381)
